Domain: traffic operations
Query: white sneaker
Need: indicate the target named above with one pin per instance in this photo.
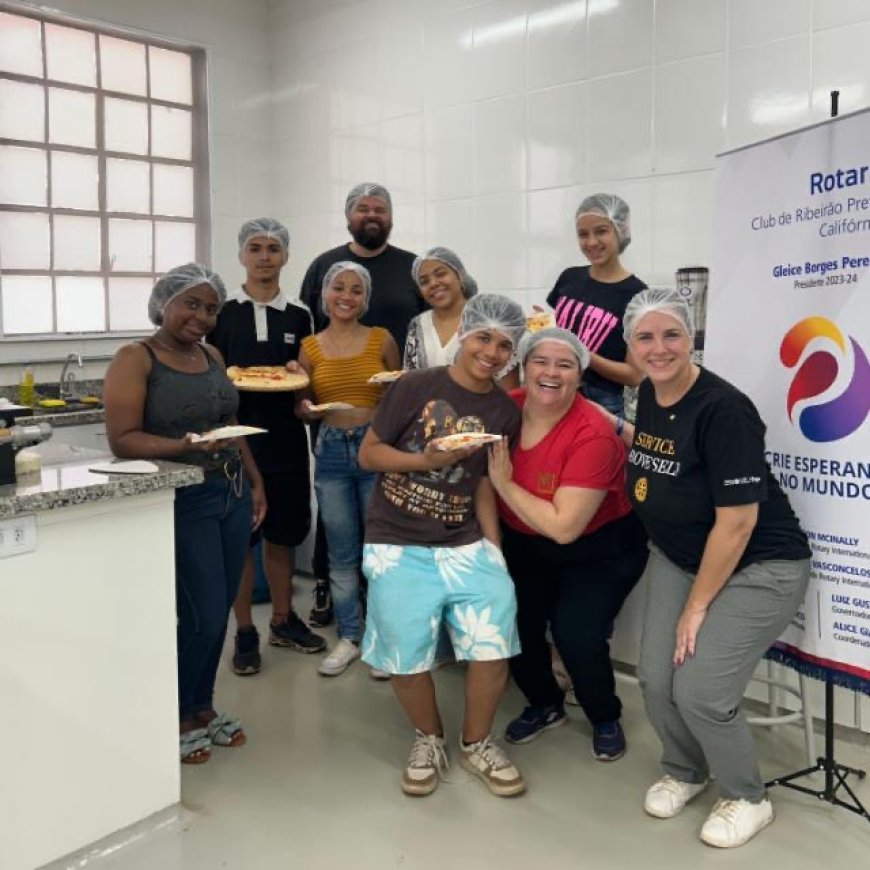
(488, 762)
(378, 674)
(427, 765)
(343, 654)
(735, 822)
(665, 798)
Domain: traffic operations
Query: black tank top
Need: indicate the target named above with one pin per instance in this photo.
(180, 402)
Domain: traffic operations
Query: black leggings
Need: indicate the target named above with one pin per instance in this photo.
(578, 589)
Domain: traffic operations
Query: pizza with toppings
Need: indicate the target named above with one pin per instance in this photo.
(460, 440)
(266, 378)
(538, 320)
(386, 377)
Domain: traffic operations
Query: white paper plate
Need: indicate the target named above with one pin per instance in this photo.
(228, 432)
(331, 406)
(133, 466)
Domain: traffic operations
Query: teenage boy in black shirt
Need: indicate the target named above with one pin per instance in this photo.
(260, 326)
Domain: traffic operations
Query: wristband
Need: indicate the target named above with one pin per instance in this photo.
(620, 424)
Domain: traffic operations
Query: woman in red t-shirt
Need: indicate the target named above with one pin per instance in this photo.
(572, 544)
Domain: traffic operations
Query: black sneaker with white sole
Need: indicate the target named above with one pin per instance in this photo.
(246, 656)
(294, 633)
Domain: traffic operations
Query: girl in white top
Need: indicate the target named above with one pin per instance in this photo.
(432, 336)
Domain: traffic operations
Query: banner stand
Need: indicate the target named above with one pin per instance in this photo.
(836, 774)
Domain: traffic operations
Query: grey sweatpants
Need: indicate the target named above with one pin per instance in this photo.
(695, 708)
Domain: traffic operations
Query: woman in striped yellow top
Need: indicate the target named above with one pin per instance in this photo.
(339, 361)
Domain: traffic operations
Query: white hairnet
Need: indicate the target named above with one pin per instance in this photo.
(554, 333)
(337, 269)
(176, 281)
(492, 311)
(612, 207)
(267, 227)
(666, 301)
(446, 256)
(366, 188)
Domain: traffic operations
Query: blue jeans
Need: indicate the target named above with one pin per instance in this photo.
(212, 528)
(343, 491)
(608, 400)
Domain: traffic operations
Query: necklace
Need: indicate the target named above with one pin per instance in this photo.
(191, 355)
(342, 348)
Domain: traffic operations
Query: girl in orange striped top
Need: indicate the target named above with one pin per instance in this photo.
(339, 361)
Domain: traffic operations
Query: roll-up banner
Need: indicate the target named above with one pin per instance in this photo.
(788, 322)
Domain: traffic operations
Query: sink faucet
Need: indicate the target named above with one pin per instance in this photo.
(64, 386)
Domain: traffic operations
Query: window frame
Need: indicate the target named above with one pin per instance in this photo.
(199, 163)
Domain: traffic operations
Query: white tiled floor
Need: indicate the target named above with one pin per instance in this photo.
(316, 787)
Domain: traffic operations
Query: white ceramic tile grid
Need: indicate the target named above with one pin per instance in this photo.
(841, 61)
(402, 157)
(751, 22)
(557, 129)
(498, 65)
(447, 56)
(688, 28)
(500, 145)
(550, 237)
(620, 126)
(768, 90)
(310, 235)
(557, 43)
(356, 99)
(409, 220)
(449, 156)
(499, 241)
(620, 35)
(690, 100)
(400, 57)
(836, 13)
(451, 223)
(682, 223)
(303, 102)
(358, 152)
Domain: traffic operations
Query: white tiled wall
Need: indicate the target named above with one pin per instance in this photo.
(490, 120)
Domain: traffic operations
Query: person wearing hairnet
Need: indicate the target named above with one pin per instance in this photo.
(562, 505)
(432, 554)
(259, 325)
(368, 210)
(433, 340)
(340, 360)
(590, 300)
(158, 393)
(728, 569)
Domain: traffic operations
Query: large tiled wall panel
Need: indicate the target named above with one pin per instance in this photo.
(489, 121)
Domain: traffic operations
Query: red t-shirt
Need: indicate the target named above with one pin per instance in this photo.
(581, 450)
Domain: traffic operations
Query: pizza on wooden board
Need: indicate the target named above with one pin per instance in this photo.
(266, 378)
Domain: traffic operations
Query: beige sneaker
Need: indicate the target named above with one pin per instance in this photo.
(427, 764)
(667, 797)
(490, 764)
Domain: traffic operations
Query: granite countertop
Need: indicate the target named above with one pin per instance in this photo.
(72, 483)
(68, 418)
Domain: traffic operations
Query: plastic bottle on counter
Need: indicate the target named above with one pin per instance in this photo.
(25, 386)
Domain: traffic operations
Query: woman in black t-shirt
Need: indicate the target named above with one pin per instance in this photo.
(590, 300)
(728, 569)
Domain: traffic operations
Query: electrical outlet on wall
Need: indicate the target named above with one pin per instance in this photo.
(17, 535)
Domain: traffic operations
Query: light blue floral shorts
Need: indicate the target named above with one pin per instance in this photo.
(414, 590)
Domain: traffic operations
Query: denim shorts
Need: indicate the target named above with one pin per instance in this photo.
(414, 590)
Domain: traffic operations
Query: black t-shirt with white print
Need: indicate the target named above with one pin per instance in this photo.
(704, 452)
(593, 311)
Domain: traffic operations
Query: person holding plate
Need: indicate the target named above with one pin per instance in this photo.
(260, 326)
(158, 393)
(340, 360)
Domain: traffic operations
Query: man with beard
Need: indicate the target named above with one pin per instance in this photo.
(394, 301)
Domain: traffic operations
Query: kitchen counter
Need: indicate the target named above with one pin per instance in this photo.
(68, 418)
(71, 483)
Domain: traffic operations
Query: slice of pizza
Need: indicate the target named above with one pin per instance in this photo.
(386, 377)
(266, 378)
(460, 440)
(540, 319)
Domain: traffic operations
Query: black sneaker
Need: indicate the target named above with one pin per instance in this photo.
(293, 632)
(321, 613)
(608, 741)
(533, 722)
(246, 658)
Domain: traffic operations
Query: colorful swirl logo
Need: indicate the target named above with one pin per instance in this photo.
(842, 415)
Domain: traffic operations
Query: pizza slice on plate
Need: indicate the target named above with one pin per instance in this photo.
(460, 440)
(266, 378)
(386, 377)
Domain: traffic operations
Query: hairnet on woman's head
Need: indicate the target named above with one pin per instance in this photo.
(176, 281)
(492, 311)
(562, 336)
(665, 301)
(268, 228)
(615, 209)
(346, 266)
(450, 259)
(366, 188)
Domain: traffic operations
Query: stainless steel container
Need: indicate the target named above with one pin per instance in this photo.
(692, 286)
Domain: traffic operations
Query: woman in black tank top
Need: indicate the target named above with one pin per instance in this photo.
(157, 393)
